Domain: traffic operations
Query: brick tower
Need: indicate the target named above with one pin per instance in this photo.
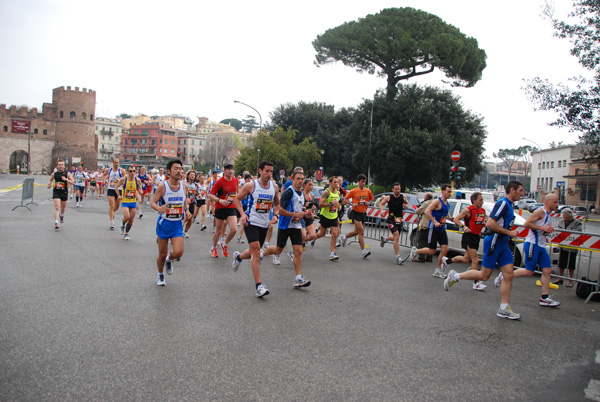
(75, 127)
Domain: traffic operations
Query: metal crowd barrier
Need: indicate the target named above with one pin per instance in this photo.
(586, 244)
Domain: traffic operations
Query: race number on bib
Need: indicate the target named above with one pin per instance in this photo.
(263, 205)
(175, 211)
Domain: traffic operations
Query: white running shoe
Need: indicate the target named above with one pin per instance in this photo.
(365, 252)
(160, 280)
(276, 259)
(508, 313)
(301, 283)
(122, 230)
(444, 263)
(413, 253)
(169, 267)
(186, 235)
(399, 260)
(291, 255)
(498, 280)
(382, 242)
(126, 237)
(333, 257)
(450, 280)
(439, 274)
(479, 286)
(548, 302)
(235, 264)
(261, 291)
(343, 240)
(240, 240)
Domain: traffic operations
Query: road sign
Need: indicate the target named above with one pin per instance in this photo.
(282, 172)
(560, 184)
(455, 156)
(318, 175)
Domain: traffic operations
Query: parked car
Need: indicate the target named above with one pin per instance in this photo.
(413, 203)
(579, 211)
(523, 203)
(534, 206)
(455, 237)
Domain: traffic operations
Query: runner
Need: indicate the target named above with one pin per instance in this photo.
(474, 218)
(171, 202)
(264, 198)
(71, 186)
(535, 251)
(222, 194)
(247, 179)
(80, 177)
(211, 205)
(201, 201)
(396, 204)
(309, 219)
(158, 179)
(437, 212)
(145, 180)
(360, 197)
(292, 211)
(100, 183)
(132, 187)
(497, 251)
(60, 192)
(330, 205)
(111, 177)
(93, 185)
(191, 194)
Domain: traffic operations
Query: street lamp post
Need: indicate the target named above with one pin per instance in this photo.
(259, 116)
(540, 169)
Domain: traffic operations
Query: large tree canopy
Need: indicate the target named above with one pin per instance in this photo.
(400, 43)
(578, 104)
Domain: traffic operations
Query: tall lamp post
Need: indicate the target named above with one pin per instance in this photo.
(540, 169)
(259, 116)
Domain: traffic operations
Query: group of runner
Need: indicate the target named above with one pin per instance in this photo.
(256, 204)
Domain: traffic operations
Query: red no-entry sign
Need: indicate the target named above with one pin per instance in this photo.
(455, 156)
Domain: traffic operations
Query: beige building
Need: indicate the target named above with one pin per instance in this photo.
(191, 147)
(109, 133)
(224, 142)
(134, 121)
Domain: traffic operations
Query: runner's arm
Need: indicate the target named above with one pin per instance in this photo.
(463, 214)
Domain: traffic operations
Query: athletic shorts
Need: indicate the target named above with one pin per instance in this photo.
(329, 223)
(169, 229)
(63, 195)
(393, 225)
(358, 216)
(470, 240)
(567, 259)
(199, 203)
(191, 207)
(111, 193)
(224, 213)
(501, 255)
(148, 190)
(295, 235)
(130, 205)
(81, 189)
(92, 183)
(436, 236)
(255, 233)
(539, 256)
(309, 221)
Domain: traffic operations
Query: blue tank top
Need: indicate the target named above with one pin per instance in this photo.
(440, 215)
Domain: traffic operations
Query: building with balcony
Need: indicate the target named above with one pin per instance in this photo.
(109, 132)
(151, 143)
(191, 147)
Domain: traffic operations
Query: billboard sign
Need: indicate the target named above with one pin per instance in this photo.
(20, 126)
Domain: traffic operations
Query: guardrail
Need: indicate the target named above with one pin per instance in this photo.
(586, 244)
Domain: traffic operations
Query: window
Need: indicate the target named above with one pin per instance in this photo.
(125, 140)
(172, 151)
(161, 141)
(35, 130)
(91, 117)
(551, 179)
(559, 163)
(133, 142)
(133, 150)
(552, 165)
(543, 165)
(153, 142)
(45, 132)
(539, 165)
(72, 115)
(103, 147)
(201, 144)
(172, 142)
(565, 163)
(178, 142)
(5, 128)
(184, 144)
(538, 182)
(83, 116)
(103, 139)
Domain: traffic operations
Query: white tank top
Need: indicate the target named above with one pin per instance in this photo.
(538, 237)
(80, 178)
(201, 193)
(113, 178)
(158, 179)
(259, 204)
(175, 200)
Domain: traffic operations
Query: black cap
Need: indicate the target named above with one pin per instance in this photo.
(228, 166)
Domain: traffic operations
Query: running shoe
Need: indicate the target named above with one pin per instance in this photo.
(56, 226)
(333, 257)
(261, 291)
(276, 259)
(214, 229)
(291, 255)
(261, 254)
(399, 260)
(508, 313)
(444, 263)
(122, 230)
(225, 252)
(382, 242)
(141, 215)
(186, 235)
(478, 285)
(112, 226)
(365, 252)
(303, 246)
(62, 218)
(169, 267)
(301, 283)
(312, 243)
(222, 243)
(160, 280)
(548, 302)
(240, 240)
(450, 280)
(338, 243)
(203, 227)
(235, 264)
(498, 280)
(126, 237)
(439, 274)
(214, 253)
(265, 245)
(413, 253)
(343, 241)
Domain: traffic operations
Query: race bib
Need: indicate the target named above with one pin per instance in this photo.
(332, 208)
(113, 183)
(175, 211)
(263, 205)
(230, 198)
(296, 220)
(60, 185)
(362, 201)
(398, 220)
(191, 192)
(79, 180)
(130, 194)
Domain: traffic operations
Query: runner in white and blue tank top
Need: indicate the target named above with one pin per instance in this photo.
(111, 178)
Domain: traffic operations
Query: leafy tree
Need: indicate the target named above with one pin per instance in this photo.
(400, 43)
(249, 124)
(577, 105)
(510, 156)
(124, 116)
(237, 124)
(279, 148)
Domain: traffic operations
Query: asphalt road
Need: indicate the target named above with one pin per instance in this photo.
(81, 318)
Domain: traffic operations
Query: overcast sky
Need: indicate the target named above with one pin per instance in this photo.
(195, 57)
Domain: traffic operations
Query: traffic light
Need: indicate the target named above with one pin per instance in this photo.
(458, 173)
(453, 171)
